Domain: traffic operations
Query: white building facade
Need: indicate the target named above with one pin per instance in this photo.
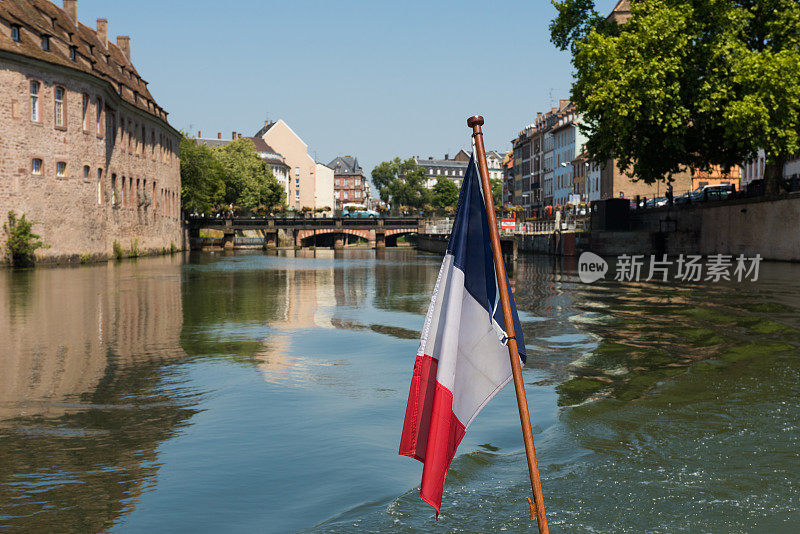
(568, 142)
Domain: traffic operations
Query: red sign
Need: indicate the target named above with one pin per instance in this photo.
(507, 224)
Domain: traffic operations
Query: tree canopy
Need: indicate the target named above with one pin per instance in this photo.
(401, 183)
(497, 192)
(231, 174)
(444, 194)
(202, 177)
(686, 83)
(249, 182)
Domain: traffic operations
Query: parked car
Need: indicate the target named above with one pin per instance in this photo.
(718, 192)
(656, 202)
(358, 210)
(707, 193)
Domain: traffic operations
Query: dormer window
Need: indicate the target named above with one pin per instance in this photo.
(46, 43)
(15, 35)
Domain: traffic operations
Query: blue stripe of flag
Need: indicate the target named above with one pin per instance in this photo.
(471, 247)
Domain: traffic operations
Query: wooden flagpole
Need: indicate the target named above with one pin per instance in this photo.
(516, 368)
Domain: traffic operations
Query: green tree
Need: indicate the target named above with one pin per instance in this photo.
(444, 194)
(22, 242)
(497, 192)
(402, 183)
(202, 177)
(686, 83)
(249, 182)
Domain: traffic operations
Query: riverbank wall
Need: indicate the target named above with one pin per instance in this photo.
(766, 226)
(749, 226)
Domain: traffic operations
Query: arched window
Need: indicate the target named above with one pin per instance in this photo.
(86, 173)
(85, 112)
(99, 187)
(59, 105)
(98, 119)
(35, 101)
(123, 192)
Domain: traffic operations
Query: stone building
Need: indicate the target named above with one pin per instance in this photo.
(350, 184)
(85, 151)
(615, 184)
(305, 188)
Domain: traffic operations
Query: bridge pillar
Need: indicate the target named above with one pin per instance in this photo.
(338, 242)
(371, 238)
(192, 238)
(227, 239)
(270, 239)
(296, 238)
(380, 240)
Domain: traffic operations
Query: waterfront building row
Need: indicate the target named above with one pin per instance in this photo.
(455, 167)
(85, 151)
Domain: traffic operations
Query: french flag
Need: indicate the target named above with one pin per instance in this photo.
(462, 361)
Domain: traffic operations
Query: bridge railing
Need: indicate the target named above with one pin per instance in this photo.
(445, 226)
(316, 222)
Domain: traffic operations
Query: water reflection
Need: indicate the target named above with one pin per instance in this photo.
(103, 369)
(650, 333)
(83, 400)
(256, 308)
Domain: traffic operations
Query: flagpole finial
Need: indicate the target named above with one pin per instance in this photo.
(475, 120)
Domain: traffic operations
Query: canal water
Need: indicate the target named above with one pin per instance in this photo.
(266, 393)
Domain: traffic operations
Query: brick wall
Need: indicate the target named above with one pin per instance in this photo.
(79, 214)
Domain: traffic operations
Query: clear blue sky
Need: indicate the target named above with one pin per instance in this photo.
(372, 78)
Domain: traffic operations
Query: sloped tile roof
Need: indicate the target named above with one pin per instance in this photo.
(37, 18)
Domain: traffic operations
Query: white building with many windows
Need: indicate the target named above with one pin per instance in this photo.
(567, 144)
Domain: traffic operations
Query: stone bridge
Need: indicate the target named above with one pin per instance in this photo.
(300, 232)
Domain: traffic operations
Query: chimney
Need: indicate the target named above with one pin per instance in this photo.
(266, 123)
(71, 7)
(219, 135)
(446, 157)
(238, 136)
(124, 44)
(199, 134)
(102, 31)
(233, 136)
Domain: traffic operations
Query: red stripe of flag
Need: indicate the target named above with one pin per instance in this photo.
(431, 431)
